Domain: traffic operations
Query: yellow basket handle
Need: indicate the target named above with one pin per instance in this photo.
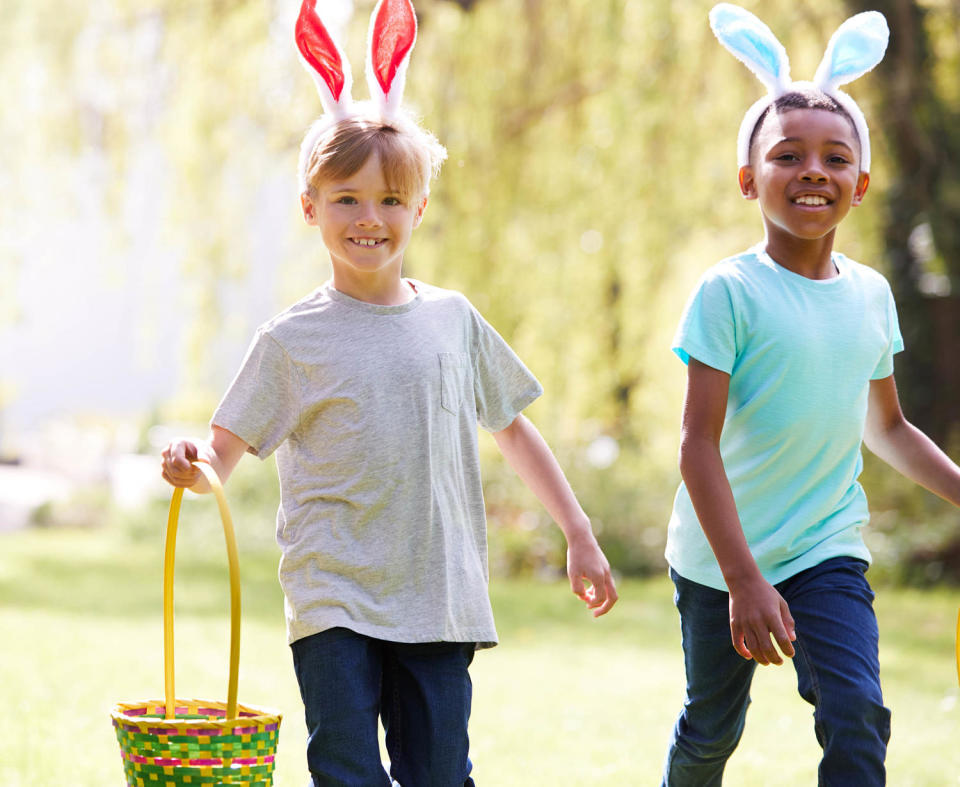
(234, 564)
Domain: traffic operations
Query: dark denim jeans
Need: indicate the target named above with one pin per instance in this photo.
(837, 672)
(422, 693)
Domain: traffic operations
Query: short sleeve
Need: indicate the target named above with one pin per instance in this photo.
(895, 344)
(503, 386)
(262, 405)
(707, 329)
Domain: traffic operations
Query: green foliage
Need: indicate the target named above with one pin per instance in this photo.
(913, 535)
(591, 179)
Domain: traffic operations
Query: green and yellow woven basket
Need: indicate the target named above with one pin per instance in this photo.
(172, 742)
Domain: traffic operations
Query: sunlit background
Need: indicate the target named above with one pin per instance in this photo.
(149, 221)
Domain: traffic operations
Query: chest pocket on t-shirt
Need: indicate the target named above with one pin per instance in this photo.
(454, 369)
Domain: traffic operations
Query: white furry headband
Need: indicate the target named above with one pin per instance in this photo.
(855, 48)
(390, 39)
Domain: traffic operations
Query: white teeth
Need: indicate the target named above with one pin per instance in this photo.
(366, 241)
(811, 200)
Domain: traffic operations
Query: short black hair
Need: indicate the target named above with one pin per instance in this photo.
(802, 97)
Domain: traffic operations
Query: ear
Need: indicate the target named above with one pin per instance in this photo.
(309, 210)
(418, 216)
(748, 186)
(862, 183)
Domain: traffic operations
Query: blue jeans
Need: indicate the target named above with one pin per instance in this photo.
(421, 692)
(838, 672)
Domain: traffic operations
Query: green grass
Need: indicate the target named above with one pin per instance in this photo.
(564, 698)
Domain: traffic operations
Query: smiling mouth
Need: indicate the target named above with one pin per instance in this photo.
(368, 243)
(811, 200)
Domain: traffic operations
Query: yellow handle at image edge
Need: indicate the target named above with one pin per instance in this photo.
(234, 567)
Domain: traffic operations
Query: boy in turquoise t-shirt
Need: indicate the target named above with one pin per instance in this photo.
(789, 351)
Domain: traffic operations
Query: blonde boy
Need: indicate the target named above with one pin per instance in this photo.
(370, 389)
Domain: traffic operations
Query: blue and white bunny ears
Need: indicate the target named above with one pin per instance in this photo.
(390, 40)
(855, 48)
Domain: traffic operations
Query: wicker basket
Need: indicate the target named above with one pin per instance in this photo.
(188, 742)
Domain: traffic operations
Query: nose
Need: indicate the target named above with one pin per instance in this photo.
(369, 215)
(813, 171)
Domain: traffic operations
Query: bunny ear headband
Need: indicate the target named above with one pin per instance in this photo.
(855, 48)
(392, 34)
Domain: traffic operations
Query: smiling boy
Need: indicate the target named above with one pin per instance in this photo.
(802, 205)
(370, 390)
(789, 350)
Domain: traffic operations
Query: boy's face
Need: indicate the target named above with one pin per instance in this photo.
(365, 226)
(805, 171)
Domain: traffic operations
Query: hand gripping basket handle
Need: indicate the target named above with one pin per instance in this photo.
(168, 561)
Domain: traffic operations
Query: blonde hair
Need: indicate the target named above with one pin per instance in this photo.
(410, 156)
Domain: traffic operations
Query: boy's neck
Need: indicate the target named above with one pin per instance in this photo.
(381, 291)
(811, 259)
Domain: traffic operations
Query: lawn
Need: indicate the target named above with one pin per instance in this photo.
(564, 699)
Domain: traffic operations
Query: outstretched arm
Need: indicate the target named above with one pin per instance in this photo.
(222, 452)
(757, 610)
(905, 448)
(529, 455)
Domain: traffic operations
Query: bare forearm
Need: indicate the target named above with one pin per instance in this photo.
(910, 452)
(701, 466)
(528, 454)
(587, 568)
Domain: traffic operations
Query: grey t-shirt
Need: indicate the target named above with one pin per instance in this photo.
(373, 412)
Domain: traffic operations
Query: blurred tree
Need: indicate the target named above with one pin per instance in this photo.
(918, 115)
(591, 179)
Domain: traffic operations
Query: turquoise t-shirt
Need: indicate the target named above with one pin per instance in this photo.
(800, 354)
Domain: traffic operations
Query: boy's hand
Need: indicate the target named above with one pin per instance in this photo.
(590, 577)
(222, 452)
(758, 611)
(177, 467)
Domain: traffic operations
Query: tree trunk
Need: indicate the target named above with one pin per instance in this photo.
(922, 137)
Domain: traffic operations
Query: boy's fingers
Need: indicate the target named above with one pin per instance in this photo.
(786, 645)
(753, 645)
(599, 593)
(177, 468)
(609, 599)
(763, 645)
(764, 652)
(786, 633)
(788, 621)
(740, 646)
(579, 587)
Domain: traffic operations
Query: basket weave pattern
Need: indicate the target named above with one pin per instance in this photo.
(198, 746)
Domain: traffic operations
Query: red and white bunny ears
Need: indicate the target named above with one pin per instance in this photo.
(393, 32)
(855, 48)
(390, 40)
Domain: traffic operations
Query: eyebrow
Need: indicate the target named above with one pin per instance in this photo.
(829, 141)
(353, 190)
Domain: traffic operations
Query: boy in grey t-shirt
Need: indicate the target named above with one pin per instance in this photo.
(370, 390)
